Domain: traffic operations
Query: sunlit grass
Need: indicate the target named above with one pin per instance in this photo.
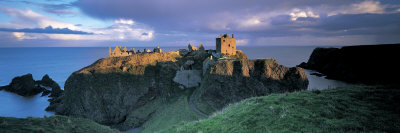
(345, 109)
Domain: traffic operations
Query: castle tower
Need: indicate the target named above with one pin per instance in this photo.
(226, 45)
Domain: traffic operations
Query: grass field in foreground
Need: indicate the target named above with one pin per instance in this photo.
(53, 124)
(344, 109)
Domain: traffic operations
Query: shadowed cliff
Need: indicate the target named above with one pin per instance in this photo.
(232, 81)
(108, 89)
(367, 64)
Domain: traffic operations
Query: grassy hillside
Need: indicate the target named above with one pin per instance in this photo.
(158, 114)
(346, 109)
(53, 124)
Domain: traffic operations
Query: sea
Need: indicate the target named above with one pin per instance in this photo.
(60, 62)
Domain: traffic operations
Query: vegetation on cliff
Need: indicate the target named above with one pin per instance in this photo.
(231, 81)
(110, 88)
(345, 109)
(140, 90)
(53, 124)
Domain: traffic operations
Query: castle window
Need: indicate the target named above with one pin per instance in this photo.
(224, 40)
(229, 45)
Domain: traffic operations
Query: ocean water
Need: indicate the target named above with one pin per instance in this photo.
(60, 62)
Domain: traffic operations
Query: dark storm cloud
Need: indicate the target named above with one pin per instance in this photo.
(48, 30)
(200, 16)
(190, 15)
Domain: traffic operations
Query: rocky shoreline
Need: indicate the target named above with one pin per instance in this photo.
(364, 64)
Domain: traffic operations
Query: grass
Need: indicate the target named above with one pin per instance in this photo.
(53, 124)
(344, 109)
(166, 114)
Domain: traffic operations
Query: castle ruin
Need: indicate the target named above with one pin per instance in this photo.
(118, 51)
(226, 45)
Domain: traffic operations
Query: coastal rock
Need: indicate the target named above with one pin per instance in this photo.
(366, 64)
(55, 88)
(24, 86)
(234, 80)
(110, 88)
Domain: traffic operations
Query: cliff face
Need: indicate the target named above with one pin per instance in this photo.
(231, 81)
(126, 91)
(368, 64)
(108, 89)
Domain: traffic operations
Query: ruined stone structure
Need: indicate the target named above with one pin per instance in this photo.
(157, 50)
(118, 51)
(226, 45)
(201, 47)
(192, 48)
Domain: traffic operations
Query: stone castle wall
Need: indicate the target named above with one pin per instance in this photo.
(226, 45)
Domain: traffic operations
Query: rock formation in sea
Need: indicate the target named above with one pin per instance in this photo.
(25, 85)
(366, 64)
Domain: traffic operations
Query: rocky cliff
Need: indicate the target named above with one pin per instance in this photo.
(126, 92)
(234, 80)
(111, 87)
(367, 64)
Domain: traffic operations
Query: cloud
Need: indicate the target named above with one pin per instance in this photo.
(28, 24)
(22, 36)
(49, 30)
(124, 21)
(368, 6)
(255, 22)
(297, 13)
(242, 42)
(59, 9)
(31, 19)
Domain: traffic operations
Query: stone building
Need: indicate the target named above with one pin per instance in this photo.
(118, 51)
(226, 45)
(201, 47)
(192, 48)
(157, 50)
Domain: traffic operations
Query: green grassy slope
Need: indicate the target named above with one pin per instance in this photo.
(346, 109)
(159, 114)
(53, 124)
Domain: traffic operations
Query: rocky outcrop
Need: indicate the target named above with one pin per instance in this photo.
(234, 80)
(367, 64)
(26, 86)
(23, 85)
(110, 88)
(48, 82)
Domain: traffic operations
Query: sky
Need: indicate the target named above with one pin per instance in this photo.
(146, 23)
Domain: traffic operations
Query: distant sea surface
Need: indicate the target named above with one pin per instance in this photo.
(60, 62)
